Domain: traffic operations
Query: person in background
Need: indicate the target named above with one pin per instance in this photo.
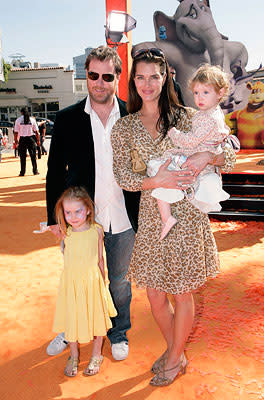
(27, 130)
(176, 85)
(38, 149)
(15, 146)
(42, 133)
(1, 143)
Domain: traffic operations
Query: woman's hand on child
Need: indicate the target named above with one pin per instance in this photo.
(197, 162)
(173, 179)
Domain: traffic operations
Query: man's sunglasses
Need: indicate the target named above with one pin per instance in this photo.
(106, 77)
(153, 51)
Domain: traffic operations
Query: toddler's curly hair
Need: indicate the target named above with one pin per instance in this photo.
(211, 75)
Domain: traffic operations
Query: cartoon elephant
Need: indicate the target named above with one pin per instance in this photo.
(193, 39)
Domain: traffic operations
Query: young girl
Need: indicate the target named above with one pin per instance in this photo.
(209, 85)
(84, 304)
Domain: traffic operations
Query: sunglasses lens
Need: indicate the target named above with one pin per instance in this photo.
(93, 75)
(156, 52)
(153, 51)
(140, 53)
(108, 77)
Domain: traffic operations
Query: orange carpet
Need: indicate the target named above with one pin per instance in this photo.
(225, 350)
(247, 162)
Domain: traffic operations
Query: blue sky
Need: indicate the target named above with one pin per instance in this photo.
(56, 30)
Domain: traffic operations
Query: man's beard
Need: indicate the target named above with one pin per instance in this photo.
(100, 99)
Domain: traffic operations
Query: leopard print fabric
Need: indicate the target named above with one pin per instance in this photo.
(187, 257)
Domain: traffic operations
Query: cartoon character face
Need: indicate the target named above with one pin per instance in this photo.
(193, 22)
(248, 123)
(257, 93)
(162, 32)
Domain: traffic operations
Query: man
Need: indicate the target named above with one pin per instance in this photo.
(81, 154)
(177, 87)
(42, 134)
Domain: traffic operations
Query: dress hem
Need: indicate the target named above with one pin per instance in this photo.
(191, 288)
(82, 340)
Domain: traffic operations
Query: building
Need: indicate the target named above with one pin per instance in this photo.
(44, 90)
(78, 64)
(259, 75)
(47, 65)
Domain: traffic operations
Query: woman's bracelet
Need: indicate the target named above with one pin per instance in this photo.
(214, 160)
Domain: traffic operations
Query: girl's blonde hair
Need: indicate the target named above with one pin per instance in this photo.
(211, 75)
(73, 193)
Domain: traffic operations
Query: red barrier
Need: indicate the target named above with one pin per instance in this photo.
(124, 50)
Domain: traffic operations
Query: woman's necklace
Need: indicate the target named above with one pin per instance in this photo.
(149, 120)
(148, 115)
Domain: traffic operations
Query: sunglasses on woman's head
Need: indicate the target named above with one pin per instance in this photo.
(106, 77)
(153, 51)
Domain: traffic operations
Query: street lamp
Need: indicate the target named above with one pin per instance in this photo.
(117, 23)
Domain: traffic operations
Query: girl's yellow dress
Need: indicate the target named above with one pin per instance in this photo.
(84, 304)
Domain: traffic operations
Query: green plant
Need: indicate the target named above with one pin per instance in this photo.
(7, 69)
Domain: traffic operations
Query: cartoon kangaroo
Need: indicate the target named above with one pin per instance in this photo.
(248, 123)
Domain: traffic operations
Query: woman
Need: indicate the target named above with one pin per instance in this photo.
(27, 130)
(185, 259)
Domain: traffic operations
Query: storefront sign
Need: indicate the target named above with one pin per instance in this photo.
(8, 90)
(42, 87)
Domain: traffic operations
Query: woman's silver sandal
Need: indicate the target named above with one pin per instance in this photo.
(160, 362)
(160, 379)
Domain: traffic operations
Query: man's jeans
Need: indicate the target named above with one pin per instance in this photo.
(118, 253)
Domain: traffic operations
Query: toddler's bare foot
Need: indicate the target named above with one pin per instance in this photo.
(171, 221)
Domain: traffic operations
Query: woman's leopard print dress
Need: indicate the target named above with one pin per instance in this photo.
(188, 255)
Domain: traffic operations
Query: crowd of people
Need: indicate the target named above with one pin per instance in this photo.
(101, 204)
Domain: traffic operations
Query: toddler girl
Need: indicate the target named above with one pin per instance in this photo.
(209, 85)
(84, 304)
